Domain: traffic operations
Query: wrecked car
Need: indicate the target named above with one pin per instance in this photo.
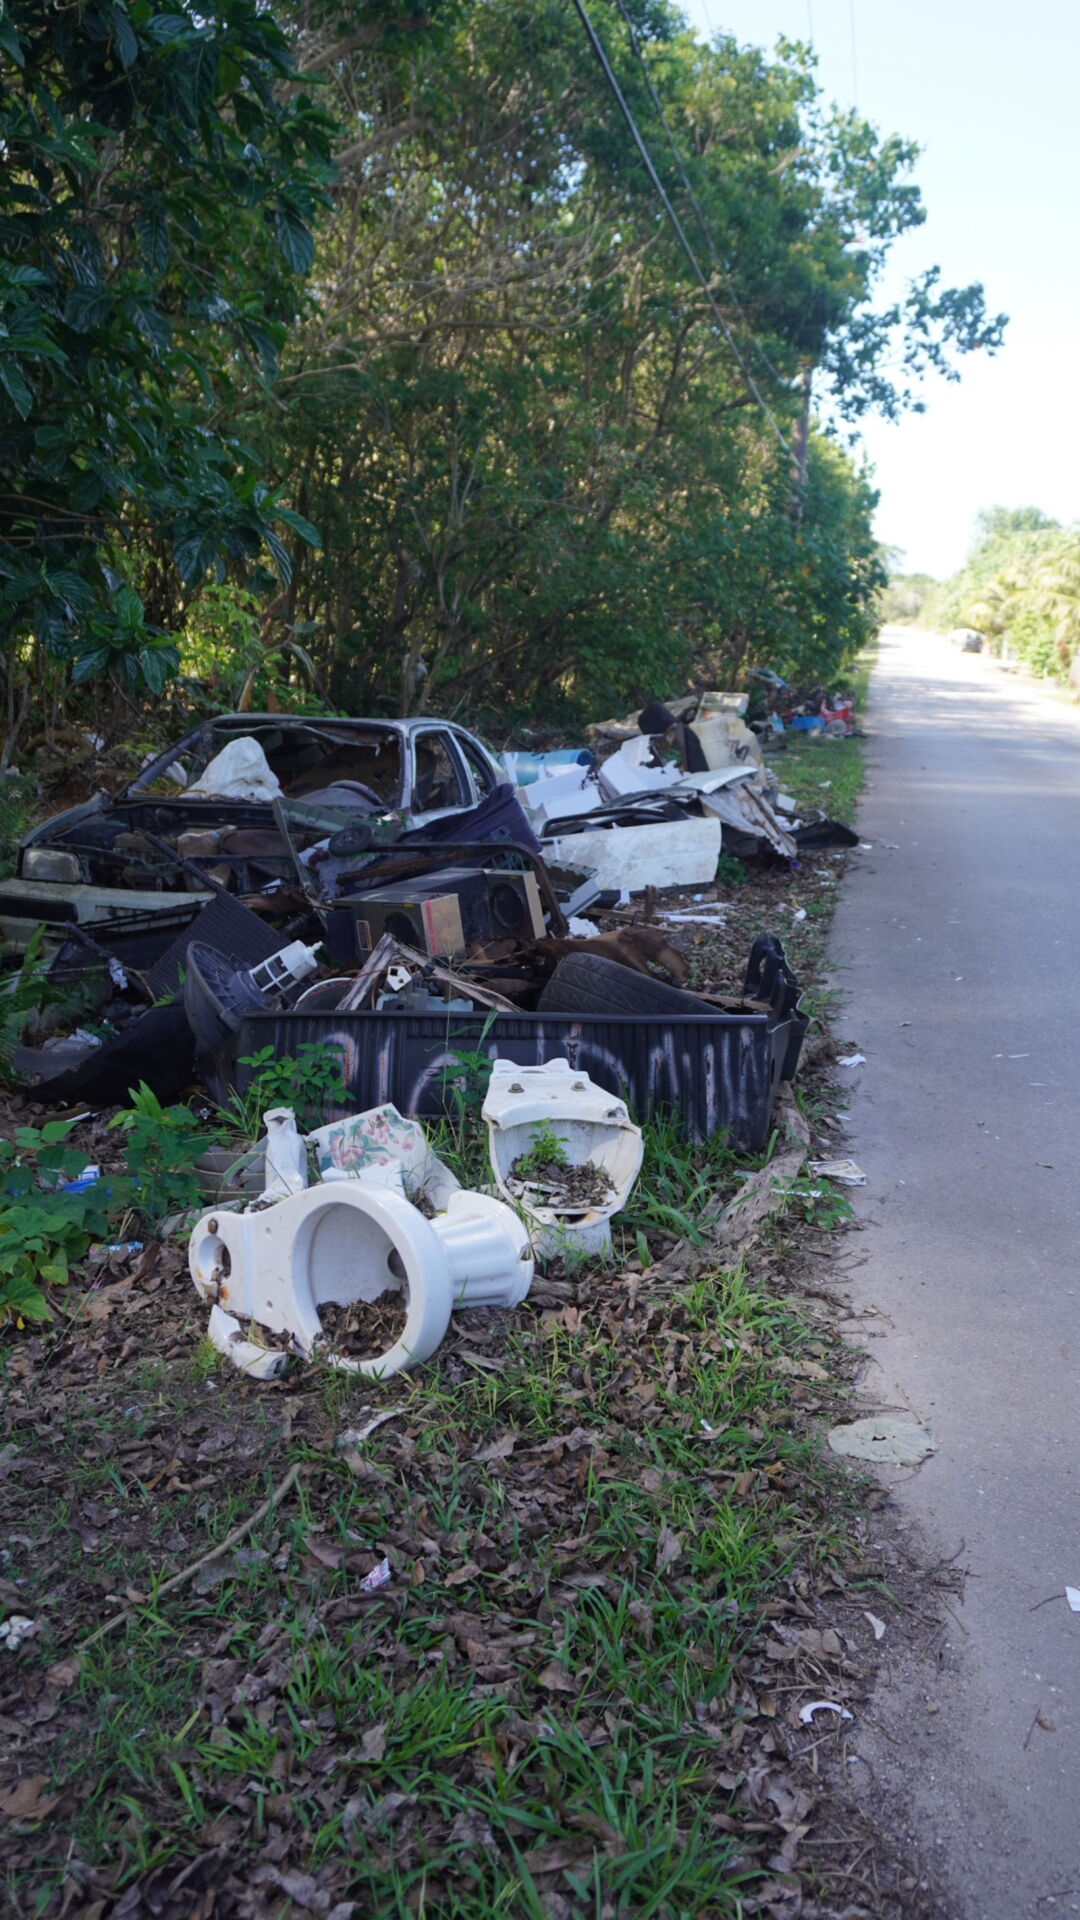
(200, 816)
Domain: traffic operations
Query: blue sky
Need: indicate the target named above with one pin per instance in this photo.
(989, 92)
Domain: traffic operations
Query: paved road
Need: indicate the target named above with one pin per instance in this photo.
(957, 949)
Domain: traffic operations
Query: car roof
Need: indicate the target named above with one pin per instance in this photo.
(412, 724)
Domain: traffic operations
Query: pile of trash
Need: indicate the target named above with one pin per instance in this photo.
(402, 939)
(661, 791)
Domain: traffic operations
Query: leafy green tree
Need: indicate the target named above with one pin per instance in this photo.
(161, 174)
(1020, 587)
(551, 475)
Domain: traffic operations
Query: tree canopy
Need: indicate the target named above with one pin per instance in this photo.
(155, 218)
(549, 469)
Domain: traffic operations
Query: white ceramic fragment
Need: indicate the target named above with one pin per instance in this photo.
(806, 1714)
(365, 1143)
(285, 1164)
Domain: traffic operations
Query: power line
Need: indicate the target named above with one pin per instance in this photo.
(699, 215)
(598, 48)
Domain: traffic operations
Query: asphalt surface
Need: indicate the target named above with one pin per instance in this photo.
(956, 946)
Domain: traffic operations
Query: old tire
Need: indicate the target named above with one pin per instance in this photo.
(586, 983)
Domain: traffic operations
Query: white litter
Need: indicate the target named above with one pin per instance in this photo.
(852, 1060)
(240, 771)
(378, 1577)
(680, 853)
(1072, 1595)
(14, 1630)
(807, 1713)
(878, 1625)
(353, 1436)
(630, 770)
(845, 1172)
(707, 916)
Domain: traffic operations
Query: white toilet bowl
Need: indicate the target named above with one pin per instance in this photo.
(350, 1240)
(593, 1128)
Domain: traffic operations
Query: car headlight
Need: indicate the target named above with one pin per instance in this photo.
(45, 863)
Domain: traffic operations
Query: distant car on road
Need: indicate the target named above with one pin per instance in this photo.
(968, 639)
(147, 848)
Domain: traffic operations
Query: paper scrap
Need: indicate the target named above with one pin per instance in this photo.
(378, 1577)
(852, 1060)
(1072, 1595)
(844, 1171)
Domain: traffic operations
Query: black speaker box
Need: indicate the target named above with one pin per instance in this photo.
(493, 905)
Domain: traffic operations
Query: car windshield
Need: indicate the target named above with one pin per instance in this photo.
(307, 759)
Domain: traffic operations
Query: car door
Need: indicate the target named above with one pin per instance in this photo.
(440, 782)
(483, 767)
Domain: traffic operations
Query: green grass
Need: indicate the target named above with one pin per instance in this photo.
(546, 1703)
(418, 1748)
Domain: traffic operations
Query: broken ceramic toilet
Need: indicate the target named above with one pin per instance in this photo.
(595, 1148)
(355, 1238)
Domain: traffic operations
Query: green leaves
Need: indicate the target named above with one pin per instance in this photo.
(142, 657)
(43, 1229)
(296, 240)
(161, 1148)
(10, 39)
(129, 319)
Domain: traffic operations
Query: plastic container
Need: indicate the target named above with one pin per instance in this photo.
(524, 768)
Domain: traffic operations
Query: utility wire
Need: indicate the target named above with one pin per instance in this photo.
(598, 48)
(695, 203)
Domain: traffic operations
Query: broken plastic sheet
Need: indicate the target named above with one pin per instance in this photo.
(560, 796)
(739, 806)
(665, 853)
(631, 770)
